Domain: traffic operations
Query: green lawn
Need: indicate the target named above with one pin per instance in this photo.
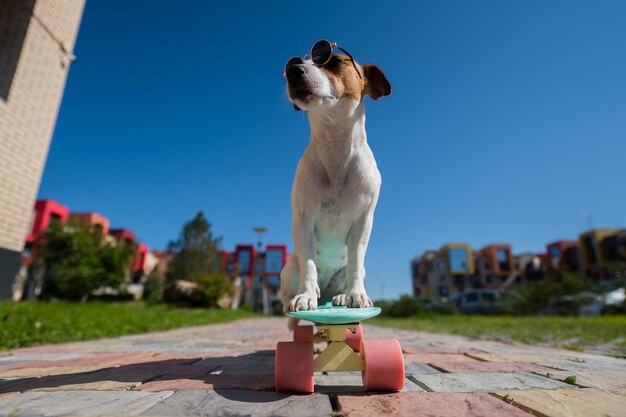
(570, 332)
(32, 323)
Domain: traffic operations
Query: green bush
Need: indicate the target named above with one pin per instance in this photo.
(444, 308)
(213, 287)
(405, 306)
(153, 288)
(536, 298)
(78, 261)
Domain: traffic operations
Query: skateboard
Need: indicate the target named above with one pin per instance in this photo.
(380, 361)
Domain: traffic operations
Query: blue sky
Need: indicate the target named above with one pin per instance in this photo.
(507, 121)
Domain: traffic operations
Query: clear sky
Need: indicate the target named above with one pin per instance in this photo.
(507, 121)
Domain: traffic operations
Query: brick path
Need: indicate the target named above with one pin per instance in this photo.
(227, 370)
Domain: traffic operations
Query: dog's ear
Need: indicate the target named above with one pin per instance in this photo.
(376, 84)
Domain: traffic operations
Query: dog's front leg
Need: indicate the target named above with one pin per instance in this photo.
(355, 273)
(306, 248)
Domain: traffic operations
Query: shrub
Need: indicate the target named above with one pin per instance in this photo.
(153, 288)
(78, 261)
(405, 306)
(444, 308)
(213, 287)
(537, 298)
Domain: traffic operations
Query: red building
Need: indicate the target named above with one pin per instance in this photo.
(93, 219)
(46, 212)
(123, 235)
(563, 254)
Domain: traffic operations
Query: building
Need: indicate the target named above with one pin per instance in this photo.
(36, 43)
(91, 219)
(529, 268)
(256, 276)
(603, 253)
(495, 266)
(439, 274)
(455, 267)
(563, 255)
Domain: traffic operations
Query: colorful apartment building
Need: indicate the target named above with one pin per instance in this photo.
(603, 253)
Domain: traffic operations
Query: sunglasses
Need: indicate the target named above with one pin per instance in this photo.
(321, 53)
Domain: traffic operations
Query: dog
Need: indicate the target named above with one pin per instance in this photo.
(336, 185)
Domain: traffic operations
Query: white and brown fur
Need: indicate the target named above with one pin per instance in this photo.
(336, 186)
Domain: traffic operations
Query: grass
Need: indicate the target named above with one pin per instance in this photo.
(569, 332)
(32, 323)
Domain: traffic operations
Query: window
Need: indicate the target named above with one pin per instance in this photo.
(273, 261)
(416, 268)
(444, 290)
(590, 249)
(489, 297)
(503, 260)
(471, 297)
(14, 20)
(457, 258)
(555, 252)
(244, 262)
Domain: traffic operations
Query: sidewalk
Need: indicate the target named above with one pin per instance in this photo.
(227, 370)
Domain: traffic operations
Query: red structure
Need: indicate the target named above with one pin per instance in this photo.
(275, 260)
(92, 219)
(500, 259)
(563, 253)
(141, 257)
(46, 211)
(123, 234)
(244, 257)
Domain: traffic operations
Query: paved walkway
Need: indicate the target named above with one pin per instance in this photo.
(227, 370)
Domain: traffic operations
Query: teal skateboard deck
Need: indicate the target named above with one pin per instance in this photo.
(329, 314)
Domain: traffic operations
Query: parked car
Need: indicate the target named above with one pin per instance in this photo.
(483, 301)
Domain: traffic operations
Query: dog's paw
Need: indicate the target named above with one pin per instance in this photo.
(304, 301)
(339, 300)
(358, 299)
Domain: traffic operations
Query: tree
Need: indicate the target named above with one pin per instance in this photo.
(78, 261)
(194, 251)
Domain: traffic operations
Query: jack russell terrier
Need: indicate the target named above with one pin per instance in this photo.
(337, 181)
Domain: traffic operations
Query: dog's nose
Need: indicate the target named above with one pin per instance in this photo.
(295, 72)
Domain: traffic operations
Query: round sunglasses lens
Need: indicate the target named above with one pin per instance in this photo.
(293, 61)
(321, 52)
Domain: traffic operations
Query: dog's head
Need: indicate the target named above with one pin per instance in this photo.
(311, 86)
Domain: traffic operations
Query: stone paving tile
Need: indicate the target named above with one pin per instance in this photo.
(211, 382)
(486, 381)
(594, 365)
(604, 380)
(569, 403)
(241, 403)
(37, 372)
(437, 349)
(515, 357)
(419, 368)
(117, 378)
(351, 382)
(431, 404)
(458, 367)
(8, 394)
(437, 357)
(80, 403)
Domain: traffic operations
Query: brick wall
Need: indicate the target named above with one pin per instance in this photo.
(33, 70)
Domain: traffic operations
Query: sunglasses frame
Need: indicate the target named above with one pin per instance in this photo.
(331, 45)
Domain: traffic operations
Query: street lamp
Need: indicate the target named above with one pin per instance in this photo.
(260, 231)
